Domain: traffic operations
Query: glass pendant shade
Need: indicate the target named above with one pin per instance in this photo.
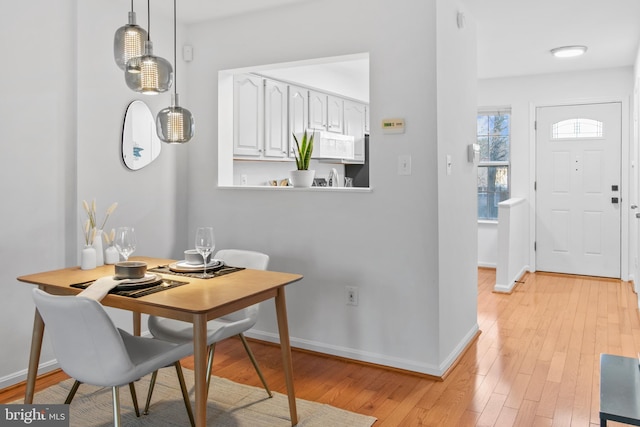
(148, 74)
(128, 41)
(175, 124)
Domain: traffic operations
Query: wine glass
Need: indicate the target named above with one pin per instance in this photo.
(125, 241)
(205, 244)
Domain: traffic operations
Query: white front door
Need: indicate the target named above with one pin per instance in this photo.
(578, 189)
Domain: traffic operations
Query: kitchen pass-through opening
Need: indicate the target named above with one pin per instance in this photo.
(260, 107)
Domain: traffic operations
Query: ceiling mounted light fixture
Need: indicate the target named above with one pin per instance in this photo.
(128, 41)
(175, 124)
(568, 51)
(148, 74)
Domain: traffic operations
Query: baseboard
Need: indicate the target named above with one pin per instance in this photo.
(452, 360)
(410, 366)
(438, 373)
(508, 288)
(20, 376)
(487, 265)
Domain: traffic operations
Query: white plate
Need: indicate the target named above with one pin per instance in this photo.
(184, 267)
(185, 264)
(148, 277)
(147, 281)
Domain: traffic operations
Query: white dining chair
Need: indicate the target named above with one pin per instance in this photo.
(92, 350)
(218, 329)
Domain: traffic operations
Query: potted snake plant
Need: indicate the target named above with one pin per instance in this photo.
(302, 176)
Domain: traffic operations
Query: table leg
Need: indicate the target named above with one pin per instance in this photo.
(137, 323)
(34, 357)
(287, 363)
(200, 367)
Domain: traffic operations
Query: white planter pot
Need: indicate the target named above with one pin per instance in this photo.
(302, 178)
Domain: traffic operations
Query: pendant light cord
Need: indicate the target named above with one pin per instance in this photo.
(131, 5)
(148, 20)
(175, 62)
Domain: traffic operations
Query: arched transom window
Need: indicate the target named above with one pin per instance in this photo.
(576, 129)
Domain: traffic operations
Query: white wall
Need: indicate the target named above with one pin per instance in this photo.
(62, 112)
(62, 145)
(487, 244)
(513, 234)
(634, 178)
(37, 173)
(151, 198)
(385, 241)
(457, 200)
(523, 94)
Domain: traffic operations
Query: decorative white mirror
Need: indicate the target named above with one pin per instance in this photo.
(140, 142)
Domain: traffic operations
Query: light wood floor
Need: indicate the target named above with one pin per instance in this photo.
(535, 363)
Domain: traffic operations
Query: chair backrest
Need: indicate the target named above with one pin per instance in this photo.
(247, 259)
(241, 258)
(86, 343)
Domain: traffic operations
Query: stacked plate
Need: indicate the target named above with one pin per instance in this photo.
(185, 267)
(147, 281)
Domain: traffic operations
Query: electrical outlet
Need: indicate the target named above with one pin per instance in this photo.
(351, 294)
(243, 179)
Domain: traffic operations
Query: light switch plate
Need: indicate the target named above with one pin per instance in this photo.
(404, 164)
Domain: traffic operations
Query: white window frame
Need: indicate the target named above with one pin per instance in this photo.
(488, 111)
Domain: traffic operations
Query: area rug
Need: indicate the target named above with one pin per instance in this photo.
(230, 405)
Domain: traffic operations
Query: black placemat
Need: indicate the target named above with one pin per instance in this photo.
(221, 271)
(137, 293)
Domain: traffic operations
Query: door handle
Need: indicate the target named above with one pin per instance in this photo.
(638, 215)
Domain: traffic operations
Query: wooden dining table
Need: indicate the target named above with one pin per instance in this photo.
(197, 301)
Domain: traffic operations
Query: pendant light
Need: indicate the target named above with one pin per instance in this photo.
(175, 124)
(148, 74)
(128, 41)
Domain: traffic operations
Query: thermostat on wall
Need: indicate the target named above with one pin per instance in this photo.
(393, 125)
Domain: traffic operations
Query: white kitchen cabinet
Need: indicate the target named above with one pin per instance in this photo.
(248, 115)
(354, 123)
(298, 114)
(267, 112)
(325, 112)
(335, 114)
(317, 110)
(276, 126)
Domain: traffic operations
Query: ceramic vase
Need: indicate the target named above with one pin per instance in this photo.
(302, 178)
(97, 245)
(111, 255)
(88, 258)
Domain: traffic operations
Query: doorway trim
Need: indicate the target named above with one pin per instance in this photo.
(625, 168)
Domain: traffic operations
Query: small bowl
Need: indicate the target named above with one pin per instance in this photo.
(191, 256)
(130, 269)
